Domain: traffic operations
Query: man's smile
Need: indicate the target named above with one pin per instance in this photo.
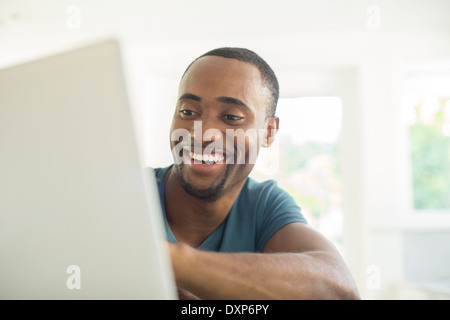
(213, 158)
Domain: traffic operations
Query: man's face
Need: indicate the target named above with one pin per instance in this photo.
(217, 97)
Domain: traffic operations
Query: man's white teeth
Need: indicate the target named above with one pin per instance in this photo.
(207, 158)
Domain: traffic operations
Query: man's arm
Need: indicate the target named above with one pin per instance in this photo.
(297, 263)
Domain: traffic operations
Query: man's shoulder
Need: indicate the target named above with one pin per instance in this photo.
(269, 206)
(264, 195)
(267, 187)
(267, 197)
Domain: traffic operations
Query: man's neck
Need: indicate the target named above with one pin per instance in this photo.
(192, 219)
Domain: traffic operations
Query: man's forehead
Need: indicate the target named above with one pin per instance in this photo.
(223, 68)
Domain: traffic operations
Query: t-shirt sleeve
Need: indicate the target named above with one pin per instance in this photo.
(278, 209)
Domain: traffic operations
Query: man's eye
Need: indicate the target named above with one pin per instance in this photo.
(231, 117)
(187, 113)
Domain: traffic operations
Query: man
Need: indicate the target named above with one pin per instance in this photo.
(231, 237)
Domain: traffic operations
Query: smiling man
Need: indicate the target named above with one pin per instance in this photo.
(231, 237)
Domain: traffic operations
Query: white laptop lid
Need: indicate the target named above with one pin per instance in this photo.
(77, 218)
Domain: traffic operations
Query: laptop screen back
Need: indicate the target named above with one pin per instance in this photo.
(77, 218)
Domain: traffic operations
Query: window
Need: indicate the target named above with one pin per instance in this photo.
(427, 114)
(304, 160)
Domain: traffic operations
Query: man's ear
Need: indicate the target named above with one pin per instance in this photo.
(270, 130)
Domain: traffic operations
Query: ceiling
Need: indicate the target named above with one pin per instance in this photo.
(283, 31)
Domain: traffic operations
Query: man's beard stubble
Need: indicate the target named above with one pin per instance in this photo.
(209, 194)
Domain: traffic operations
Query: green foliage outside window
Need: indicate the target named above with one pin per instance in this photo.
(430, 157)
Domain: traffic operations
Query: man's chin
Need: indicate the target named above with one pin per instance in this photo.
(200, 192)
(210, 187)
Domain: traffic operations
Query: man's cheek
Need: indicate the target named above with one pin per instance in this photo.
(243, 146)
(251, 149)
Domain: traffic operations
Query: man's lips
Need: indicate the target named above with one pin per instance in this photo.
(202, 156)
(204, 163)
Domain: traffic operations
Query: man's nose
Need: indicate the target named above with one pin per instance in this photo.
(206, 130)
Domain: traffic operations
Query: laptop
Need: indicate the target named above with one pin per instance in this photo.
(79, 217)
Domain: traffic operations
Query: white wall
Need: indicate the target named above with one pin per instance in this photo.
(315, 47)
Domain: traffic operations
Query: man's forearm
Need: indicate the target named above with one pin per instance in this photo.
(211, 275)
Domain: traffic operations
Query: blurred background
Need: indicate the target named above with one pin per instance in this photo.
(364, 143)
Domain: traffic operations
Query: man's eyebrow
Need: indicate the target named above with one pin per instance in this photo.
(232, 100)
(190, 96)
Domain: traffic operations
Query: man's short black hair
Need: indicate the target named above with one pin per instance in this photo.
(245, 55)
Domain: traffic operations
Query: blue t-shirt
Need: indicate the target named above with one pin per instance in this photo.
(259, 211)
